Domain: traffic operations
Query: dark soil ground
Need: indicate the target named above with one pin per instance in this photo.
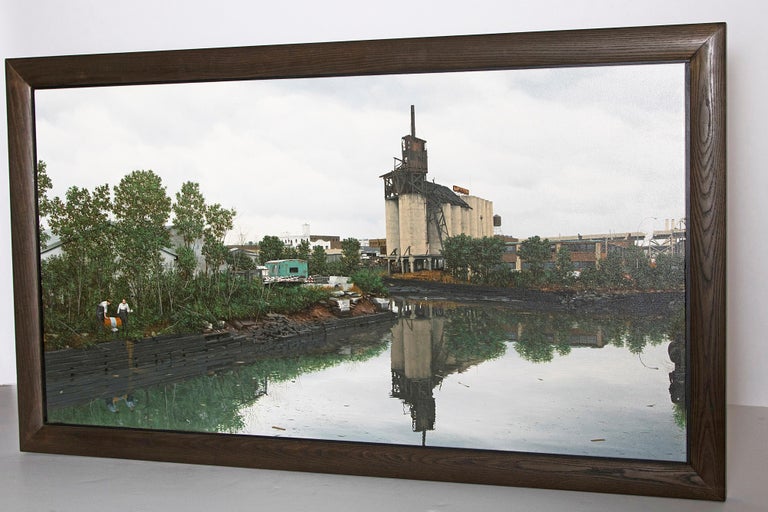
(597, 302)
(651, 302)
(324, 314)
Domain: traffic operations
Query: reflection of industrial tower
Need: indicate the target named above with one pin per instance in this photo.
(416, 347)
(420, 214)
(421, 359)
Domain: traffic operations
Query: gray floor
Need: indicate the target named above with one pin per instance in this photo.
(35, 482)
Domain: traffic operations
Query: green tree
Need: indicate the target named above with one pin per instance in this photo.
(318, 261)
(670, 271)
(303, 250)
(369, 281)
(612, 272)
(562, 273)
(350, 255)
(218, 221)
(270, 248)
(457, 253)
(81, 222)
(502, 276)
(486, 258)
(536, 253)
(189, 211)
(142, 209)
(44, 203)
(637, 265)
(186, 262)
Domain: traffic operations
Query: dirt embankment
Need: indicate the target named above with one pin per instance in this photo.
(652, 302)
(324, 315)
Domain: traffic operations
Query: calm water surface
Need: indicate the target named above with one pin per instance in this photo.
(453, 375)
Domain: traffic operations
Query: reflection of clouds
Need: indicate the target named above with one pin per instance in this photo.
(558, 407)
(528, 140)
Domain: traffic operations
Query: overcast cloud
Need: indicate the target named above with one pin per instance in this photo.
(558, 151)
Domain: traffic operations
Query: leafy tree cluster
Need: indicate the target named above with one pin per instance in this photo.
(539, 337)
(542, 335)
(369, 281)
(350, 255)
(476, 334)
(628, 268)
(479, 260)
(476, 260)
(535, 252)
(112, 240)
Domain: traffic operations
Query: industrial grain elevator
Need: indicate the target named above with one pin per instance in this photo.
(420, 214)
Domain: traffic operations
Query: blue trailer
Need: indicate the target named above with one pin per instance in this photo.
(286, 271)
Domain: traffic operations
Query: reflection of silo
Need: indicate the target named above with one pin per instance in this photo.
(417, 349)
(438, 326)
(413, 223)
(397, 352)
(392, 212)
(414, 339)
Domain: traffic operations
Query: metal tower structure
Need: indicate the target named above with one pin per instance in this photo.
(409, 176)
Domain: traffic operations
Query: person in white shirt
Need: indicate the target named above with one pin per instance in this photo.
(101, 311)
(122, 311)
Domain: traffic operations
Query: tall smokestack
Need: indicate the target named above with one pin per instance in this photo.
(413, 121)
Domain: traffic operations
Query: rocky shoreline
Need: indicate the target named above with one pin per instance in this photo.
(338, 312)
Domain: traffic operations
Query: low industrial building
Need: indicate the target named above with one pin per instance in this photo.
(588, 250)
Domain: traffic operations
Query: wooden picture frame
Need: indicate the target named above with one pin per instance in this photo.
(700, 47)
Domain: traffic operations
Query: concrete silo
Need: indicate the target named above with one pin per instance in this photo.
(420, 214)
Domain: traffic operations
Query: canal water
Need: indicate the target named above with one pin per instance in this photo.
(451, 375)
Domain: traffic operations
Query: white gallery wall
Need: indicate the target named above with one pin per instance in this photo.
(37, 27)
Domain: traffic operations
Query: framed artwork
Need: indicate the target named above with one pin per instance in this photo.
(554, 319)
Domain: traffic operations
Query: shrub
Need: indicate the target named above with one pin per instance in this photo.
(369, 281)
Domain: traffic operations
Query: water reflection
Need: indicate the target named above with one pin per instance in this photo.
(434, 339)
(466, 376)
(427, 346)
(197, 383)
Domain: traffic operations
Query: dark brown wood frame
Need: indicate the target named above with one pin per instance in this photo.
(701, 47)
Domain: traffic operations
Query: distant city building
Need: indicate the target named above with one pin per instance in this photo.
(295, 240)
(327, 242)
(588, 250)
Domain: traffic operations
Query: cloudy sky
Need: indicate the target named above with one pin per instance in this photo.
(558, 151)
